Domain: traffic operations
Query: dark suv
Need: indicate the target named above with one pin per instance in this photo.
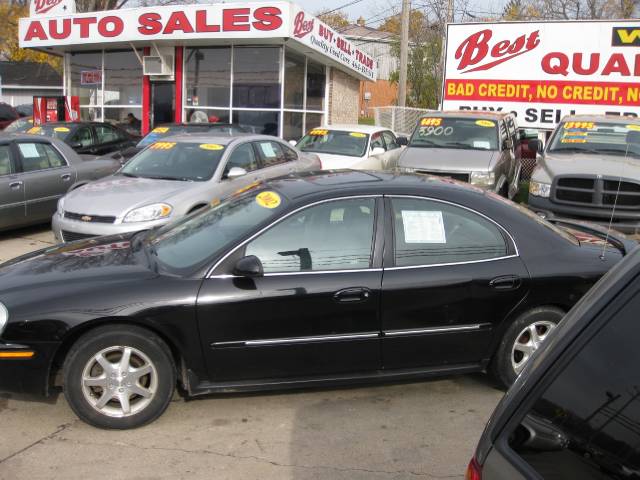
(574, 412)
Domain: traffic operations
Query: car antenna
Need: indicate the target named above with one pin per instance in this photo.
(633, 138)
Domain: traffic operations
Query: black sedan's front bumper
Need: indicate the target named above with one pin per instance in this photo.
(21, 373)
(623, 220)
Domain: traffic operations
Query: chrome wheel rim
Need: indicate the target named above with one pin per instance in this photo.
(119, 381)
(528, 341)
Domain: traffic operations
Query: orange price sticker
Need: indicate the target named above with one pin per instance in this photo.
(318, 132)
(431, 122)
(163, 146)
(579, 125)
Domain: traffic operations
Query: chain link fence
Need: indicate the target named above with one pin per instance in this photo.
(401, 120)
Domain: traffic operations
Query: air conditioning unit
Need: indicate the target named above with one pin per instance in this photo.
(157, 65)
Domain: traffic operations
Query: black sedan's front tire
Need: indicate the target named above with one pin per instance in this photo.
(119, 377)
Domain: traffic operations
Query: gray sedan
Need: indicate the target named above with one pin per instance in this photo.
(36, 171)
(172, 178)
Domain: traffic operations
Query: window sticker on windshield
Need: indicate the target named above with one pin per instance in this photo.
(635, 128)
(436, 131)
(61, 129)
(211, 146)
(357, 134)
(580, 125)
(318, 132)
(28, 150)
(573, 140)
(160, 130)
(33, 130)
(481, 144)
(485, 123)
(162, 146)
(267, 149)
(423, 226)
(431, 122)
(268, 199)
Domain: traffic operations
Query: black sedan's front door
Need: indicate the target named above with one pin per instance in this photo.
(315, 311)
(454, 276)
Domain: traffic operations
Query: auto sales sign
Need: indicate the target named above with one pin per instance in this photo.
(543, 71)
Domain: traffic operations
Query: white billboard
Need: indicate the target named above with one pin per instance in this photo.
(545, 70)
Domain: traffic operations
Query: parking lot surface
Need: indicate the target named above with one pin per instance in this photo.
(420, 430)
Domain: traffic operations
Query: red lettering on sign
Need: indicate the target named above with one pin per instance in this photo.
(66, 29)
(558, 63)
(35, 30)
(84, 25)
(616, 64)
(177, 21)
(235, 19)
(149, 23)
(594, 61)
(43, 6)
(301, 27)
(201, 23)
(267, 18)
(474, 49)
(110, 26)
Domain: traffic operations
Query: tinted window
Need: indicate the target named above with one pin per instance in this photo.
(82, 136)
(390, 140)
(586, 424)
(106, 134)
(271, 153)
(289, 153)
(5, 160)
(7, 113)
(331, 236)
(242, 157)
(39, 156)
(377, 141)
(428, 233)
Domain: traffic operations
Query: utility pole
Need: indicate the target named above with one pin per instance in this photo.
(450, 11)
(404, 52)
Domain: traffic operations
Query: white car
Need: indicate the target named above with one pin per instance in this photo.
(359, 147)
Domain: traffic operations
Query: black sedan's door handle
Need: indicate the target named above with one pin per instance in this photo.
(65, 177)
(15, 185)
(352, 295)
(506, 282)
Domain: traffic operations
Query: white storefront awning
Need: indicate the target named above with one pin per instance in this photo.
(222, 23)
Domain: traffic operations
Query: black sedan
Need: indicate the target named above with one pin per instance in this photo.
(307, 280)
(91, 138)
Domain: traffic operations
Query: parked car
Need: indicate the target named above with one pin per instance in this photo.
(20, 125)
(172, 178)
(587, 168)
(573, 413)
(359, 147)
(25, 110)
(311, 279)
(475, 147)
(7, 115)
(37, 171)
(93, 138)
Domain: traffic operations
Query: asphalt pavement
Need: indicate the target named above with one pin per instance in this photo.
(420, 430)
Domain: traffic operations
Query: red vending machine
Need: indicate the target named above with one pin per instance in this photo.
(56, 109)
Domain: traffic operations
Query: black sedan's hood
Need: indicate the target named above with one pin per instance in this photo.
(75, 264)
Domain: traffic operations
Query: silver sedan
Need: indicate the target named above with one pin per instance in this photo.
(172, 178)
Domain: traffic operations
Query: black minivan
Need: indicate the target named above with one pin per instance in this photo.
(574, 412)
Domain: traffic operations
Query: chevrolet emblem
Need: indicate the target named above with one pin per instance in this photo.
(86, 218)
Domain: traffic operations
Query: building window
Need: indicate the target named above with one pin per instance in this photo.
(294, 71)
(265, 123)
(256, 77)
(293, 125)
(122, 79)
(208, 77)
(86, 77)
(316, 82)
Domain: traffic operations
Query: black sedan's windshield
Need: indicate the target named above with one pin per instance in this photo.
(190, 242)
(594, 137)
(20, 125)
(449, 132)
(54, 131)
(176, 161)
(336, 142)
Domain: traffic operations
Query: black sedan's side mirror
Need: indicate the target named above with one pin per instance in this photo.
(402, 141)
(76, 145)
(249, 266)
(535, 145)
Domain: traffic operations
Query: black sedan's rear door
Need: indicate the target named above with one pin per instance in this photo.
(452, 276)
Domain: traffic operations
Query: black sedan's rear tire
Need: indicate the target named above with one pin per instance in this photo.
(119, 377)
(521, 339)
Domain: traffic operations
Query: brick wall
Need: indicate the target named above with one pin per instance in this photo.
(344, 94)
(383, 93)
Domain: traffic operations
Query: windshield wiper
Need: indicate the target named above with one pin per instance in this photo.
(128, 175)
(424, 144)
(160, 177)
(573, 149)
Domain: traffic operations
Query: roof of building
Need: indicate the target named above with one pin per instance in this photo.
(29, 73)
(359, 31)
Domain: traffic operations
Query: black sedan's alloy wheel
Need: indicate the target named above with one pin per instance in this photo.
(520, 340)
(119, 377)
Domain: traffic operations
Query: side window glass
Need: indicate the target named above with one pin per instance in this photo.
(82, 136)
(330, 236)
(106, 134)
(431, 233)
(585, 424)
(271, 153)
(39, 156)
(6, 167)
(289, 153)
(390, 140)
(242, 157)
(377, 141)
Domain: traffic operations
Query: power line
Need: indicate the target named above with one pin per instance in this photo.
(341, 7)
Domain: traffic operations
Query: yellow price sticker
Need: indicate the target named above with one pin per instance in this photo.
(573, 140)
(485, 123)
(162, 146)
(160, 130)
(634, 128)
(431, 122)
(318, 132)
(357, 134)
(33, 130)
(211, 146)
(61, 129)
(268, 199)
(579, 125)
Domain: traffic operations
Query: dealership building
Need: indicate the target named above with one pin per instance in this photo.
(267, 65)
